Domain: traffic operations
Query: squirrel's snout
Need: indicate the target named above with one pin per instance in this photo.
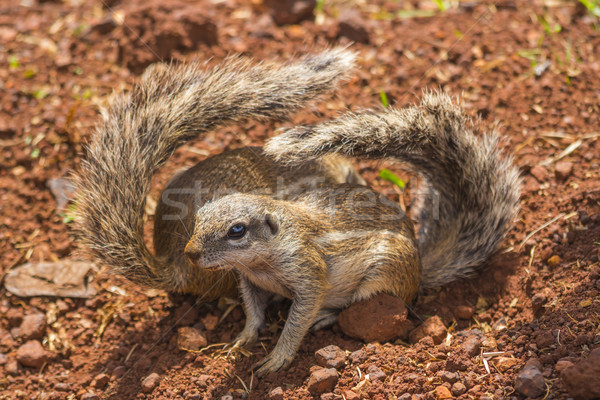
(192, 252)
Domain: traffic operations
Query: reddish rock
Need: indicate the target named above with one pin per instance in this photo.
(189, 338)
(352, 26)
(464, 312)
(544, 339)
(12, 367)
(331, 357)
(375, 373)
(14, 316)
(350, 395)
(379, 319)
(442, 392)
(471, 346)
(358, 356)
(286, 12)
(582, 380)
(32, 354)
(530, 382)
(458, 388)
(33, 326)
(433, 327)
(150, 382)
(276, 394)
(562, 365)
(62, 387)
(505, 363)
(540, 173)
(100, 380)
(322, 380)
(448, 376)
(563, 170)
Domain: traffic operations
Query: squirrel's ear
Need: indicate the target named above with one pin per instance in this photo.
(272, 223)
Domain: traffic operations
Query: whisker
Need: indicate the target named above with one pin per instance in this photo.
(184, 227)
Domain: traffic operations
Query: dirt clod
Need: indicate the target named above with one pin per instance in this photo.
(358, 356)
(331, 357)
(540, 173)
(90, 396)
(189, 338)
(322, 380)
(32, 354)
(100, 380)
(33, 326)
(350, 395)
(563, 170)
(458, 388)
(583, 378)
(352, 26)
(375, 373)
(379, 319)
(530, 382)
(432, 327)
(505, 363)
(276, 394)
(464, 312)
(150, 382)
(442, 392)
(286, 12)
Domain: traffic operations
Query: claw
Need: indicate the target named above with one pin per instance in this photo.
(271, 363)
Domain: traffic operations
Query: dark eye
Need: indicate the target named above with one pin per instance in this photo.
(237, 231)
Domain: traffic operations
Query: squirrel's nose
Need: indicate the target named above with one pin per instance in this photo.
(192, 253)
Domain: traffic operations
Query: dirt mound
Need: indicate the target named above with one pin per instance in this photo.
(533, 66)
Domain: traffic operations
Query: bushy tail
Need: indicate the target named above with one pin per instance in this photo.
(472, 192)
(170, 106)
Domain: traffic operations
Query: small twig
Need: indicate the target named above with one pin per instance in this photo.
(571, 148)
(553, 220)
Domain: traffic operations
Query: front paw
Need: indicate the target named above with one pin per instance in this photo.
(246, 337)
(274, 362)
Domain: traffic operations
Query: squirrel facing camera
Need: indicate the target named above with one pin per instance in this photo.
(295, 218)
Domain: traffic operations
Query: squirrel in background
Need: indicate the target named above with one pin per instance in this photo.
(294, 218)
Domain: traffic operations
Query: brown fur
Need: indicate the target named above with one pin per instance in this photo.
(471, 194)
(172, 105)
(324, 250)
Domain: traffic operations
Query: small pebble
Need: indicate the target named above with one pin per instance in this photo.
(189, 338)
(471, 346)
(375, 373)
(464, 312)
(100, 380)
(448, 376)
(358, 356)
(350, 395)
(563, 170)
(458, 388)
(432, 327)
(33, 326)
(505, 363)
(276, 394)
(562, 364)
(331, 357)
(540, 173)
(90, 396)
(322, 380)
(150, 382)
(442, 392)
(32, 354)
(530, 382)
(61, 387)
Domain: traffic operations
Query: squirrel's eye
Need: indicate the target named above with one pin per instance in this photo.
(237, 231)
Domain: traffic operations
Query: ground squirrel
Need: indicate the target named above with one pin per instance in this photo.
(325, 245)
